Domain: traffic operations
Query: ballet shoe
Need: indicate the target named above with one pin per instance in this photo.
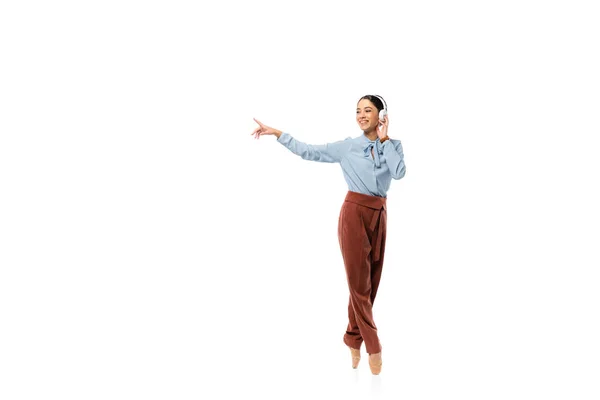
(375, 363)
(355, 356)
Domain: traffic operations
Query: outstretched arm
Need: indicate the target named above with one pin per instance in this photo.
(329, 152)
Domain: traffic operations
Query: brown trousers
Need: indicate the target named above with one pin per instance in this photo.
(361, 233)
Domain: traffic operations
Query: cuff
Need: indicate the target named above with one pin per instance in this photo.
(281, 138)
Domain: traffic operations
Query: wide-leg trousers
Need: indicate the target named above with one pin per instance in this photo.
(361, 233)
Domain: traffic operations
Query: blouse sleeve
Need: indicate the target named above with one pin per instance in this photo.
(329, 152)
(394, 156)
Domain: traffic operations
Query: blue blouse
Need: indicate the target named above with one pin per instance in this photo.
(363, 172)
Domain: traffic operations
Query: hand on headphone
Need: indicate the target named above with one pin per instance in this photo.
(264, 130)
(382, 128)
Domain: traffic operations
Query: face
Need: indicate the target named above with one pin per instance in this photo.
(367, 115)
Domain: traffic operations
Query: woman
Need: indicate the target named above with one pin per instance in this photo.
(369, 162)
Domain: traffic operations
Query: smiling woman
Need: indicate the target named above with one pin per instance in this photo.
(365, 116)
(369, 162)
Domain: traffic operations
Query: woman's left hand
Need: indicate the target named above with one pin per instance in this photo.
(382, 128)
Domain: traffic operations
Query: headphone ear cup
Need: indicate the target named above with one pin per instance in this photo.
(382, 114)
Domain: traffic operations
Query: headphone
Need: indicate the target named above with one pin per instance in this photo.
(382, 113)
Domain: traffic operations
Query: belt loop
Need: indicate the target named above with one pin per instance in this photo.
(374, 220)
(377, 216)
(378, 243)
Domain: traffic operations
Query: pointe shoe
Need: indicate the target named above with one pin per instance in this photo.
(375, 363)
(355, 356)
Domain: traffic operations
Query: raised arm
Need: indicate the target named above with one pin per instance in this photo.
(394, 156)
(329, 152)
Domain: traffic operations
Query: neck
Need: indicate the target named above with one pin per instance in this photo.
(371, 135)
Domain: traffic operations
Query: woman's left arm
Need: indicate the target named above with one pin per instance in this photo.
(394, 157)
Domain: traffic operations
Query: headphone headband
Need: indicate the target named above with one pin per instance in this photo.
(382, 113)
(382, 100)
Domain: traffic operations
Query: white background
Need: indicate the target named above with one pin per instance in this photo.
(152, 249)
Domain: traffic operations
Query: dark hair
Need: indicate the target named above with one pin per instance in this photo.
(375, 100)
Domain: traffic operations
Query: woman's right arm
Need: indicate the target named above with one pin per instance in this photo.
(329, 152)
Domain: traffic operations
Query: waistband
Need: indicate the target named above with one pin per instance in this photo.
(366, 200)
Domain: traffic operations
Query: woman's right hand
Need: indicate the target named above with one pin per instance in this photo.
(265, 130)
